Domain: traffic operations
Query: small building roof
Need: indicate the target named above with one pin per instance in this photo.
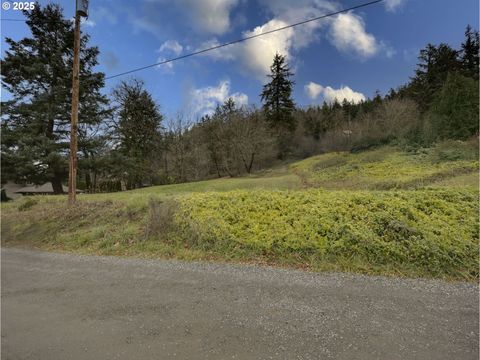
(11, 189)
(46, 188)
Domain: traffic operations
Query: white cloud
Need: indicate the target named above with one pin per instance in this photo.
(223, 53)
(347, 33)
(171, 46)
(393, 5)
(300, 10)
(204, 100)
(330, 94)
(85, 22)
(313, 90)
(287, 8)
(209, 16)
(88, 22)
(212, 17)
(257, 54)
(167, 68)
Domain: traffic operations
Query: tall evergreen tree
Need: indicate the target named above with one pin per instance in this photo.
(277, 95)
(432, 70)
(469, 53)
(37, 72)
(136, 131)
(454, 112)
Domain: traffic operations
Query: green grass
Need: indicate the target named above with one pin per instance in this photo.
(467, 181)
(388, 168)
(383, 211)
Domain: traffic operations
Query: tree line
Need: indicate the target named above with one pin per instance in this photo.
(125, 142)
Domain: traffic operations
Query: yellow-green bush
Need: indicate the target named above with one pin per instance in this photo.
(418, 232)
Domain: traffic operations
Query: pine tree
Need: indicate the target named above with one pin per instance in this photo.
(454, 112)
(469, 53)
(392, 94)
(136, 131)
(229, 107)
(277, 95)
(432, 70)
(37, 72)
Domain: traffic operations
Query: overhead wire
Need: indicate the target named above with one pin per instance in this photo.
(243, 39)
(198, 52)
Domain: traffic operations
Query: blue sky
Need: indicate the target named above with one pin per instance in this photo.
(347, 56)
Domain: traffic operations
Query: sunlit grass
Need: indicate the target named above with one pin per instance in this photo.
(388, 168)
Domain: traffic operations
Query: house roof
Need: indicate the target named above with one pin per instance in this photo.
(11, 188)
(45, 188)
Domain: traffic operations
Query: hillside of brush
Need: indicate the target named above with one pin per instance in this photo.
(382, 211)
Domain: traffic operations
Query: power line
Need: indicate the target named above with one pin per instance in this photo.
(234, 41)
(242, 39)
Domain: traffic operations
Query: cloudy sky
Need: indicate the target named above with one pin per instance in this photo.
(347, 56)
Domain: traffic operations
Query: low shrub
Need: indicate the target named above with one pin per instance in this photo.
(452, 150)
(160, 221)
(27, 203)
(419, 232)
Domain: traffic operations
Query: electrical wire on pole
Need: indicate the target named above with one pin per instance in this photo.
(243, 39)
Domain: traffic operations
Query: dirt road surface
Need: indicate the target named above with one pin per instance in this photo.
(62, 306)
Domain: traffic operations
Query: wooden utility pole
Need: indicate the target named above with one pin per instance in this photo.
(72, 175)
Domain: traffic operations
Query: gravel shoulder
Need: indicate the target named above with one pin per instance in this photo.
(64, 306)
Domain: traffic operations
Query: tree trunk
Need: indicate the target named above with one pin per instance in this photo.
(123, 185)
(88, 183)
(57, 185)
(88, 172)
(249, 170)
(166, 164)
(95, 183)
(216, 165)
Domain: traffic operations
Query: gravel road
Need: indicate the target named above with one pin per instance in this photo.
(62, 306)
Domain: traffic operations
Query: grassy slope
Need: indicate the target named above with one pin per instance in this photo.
(382, 211)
